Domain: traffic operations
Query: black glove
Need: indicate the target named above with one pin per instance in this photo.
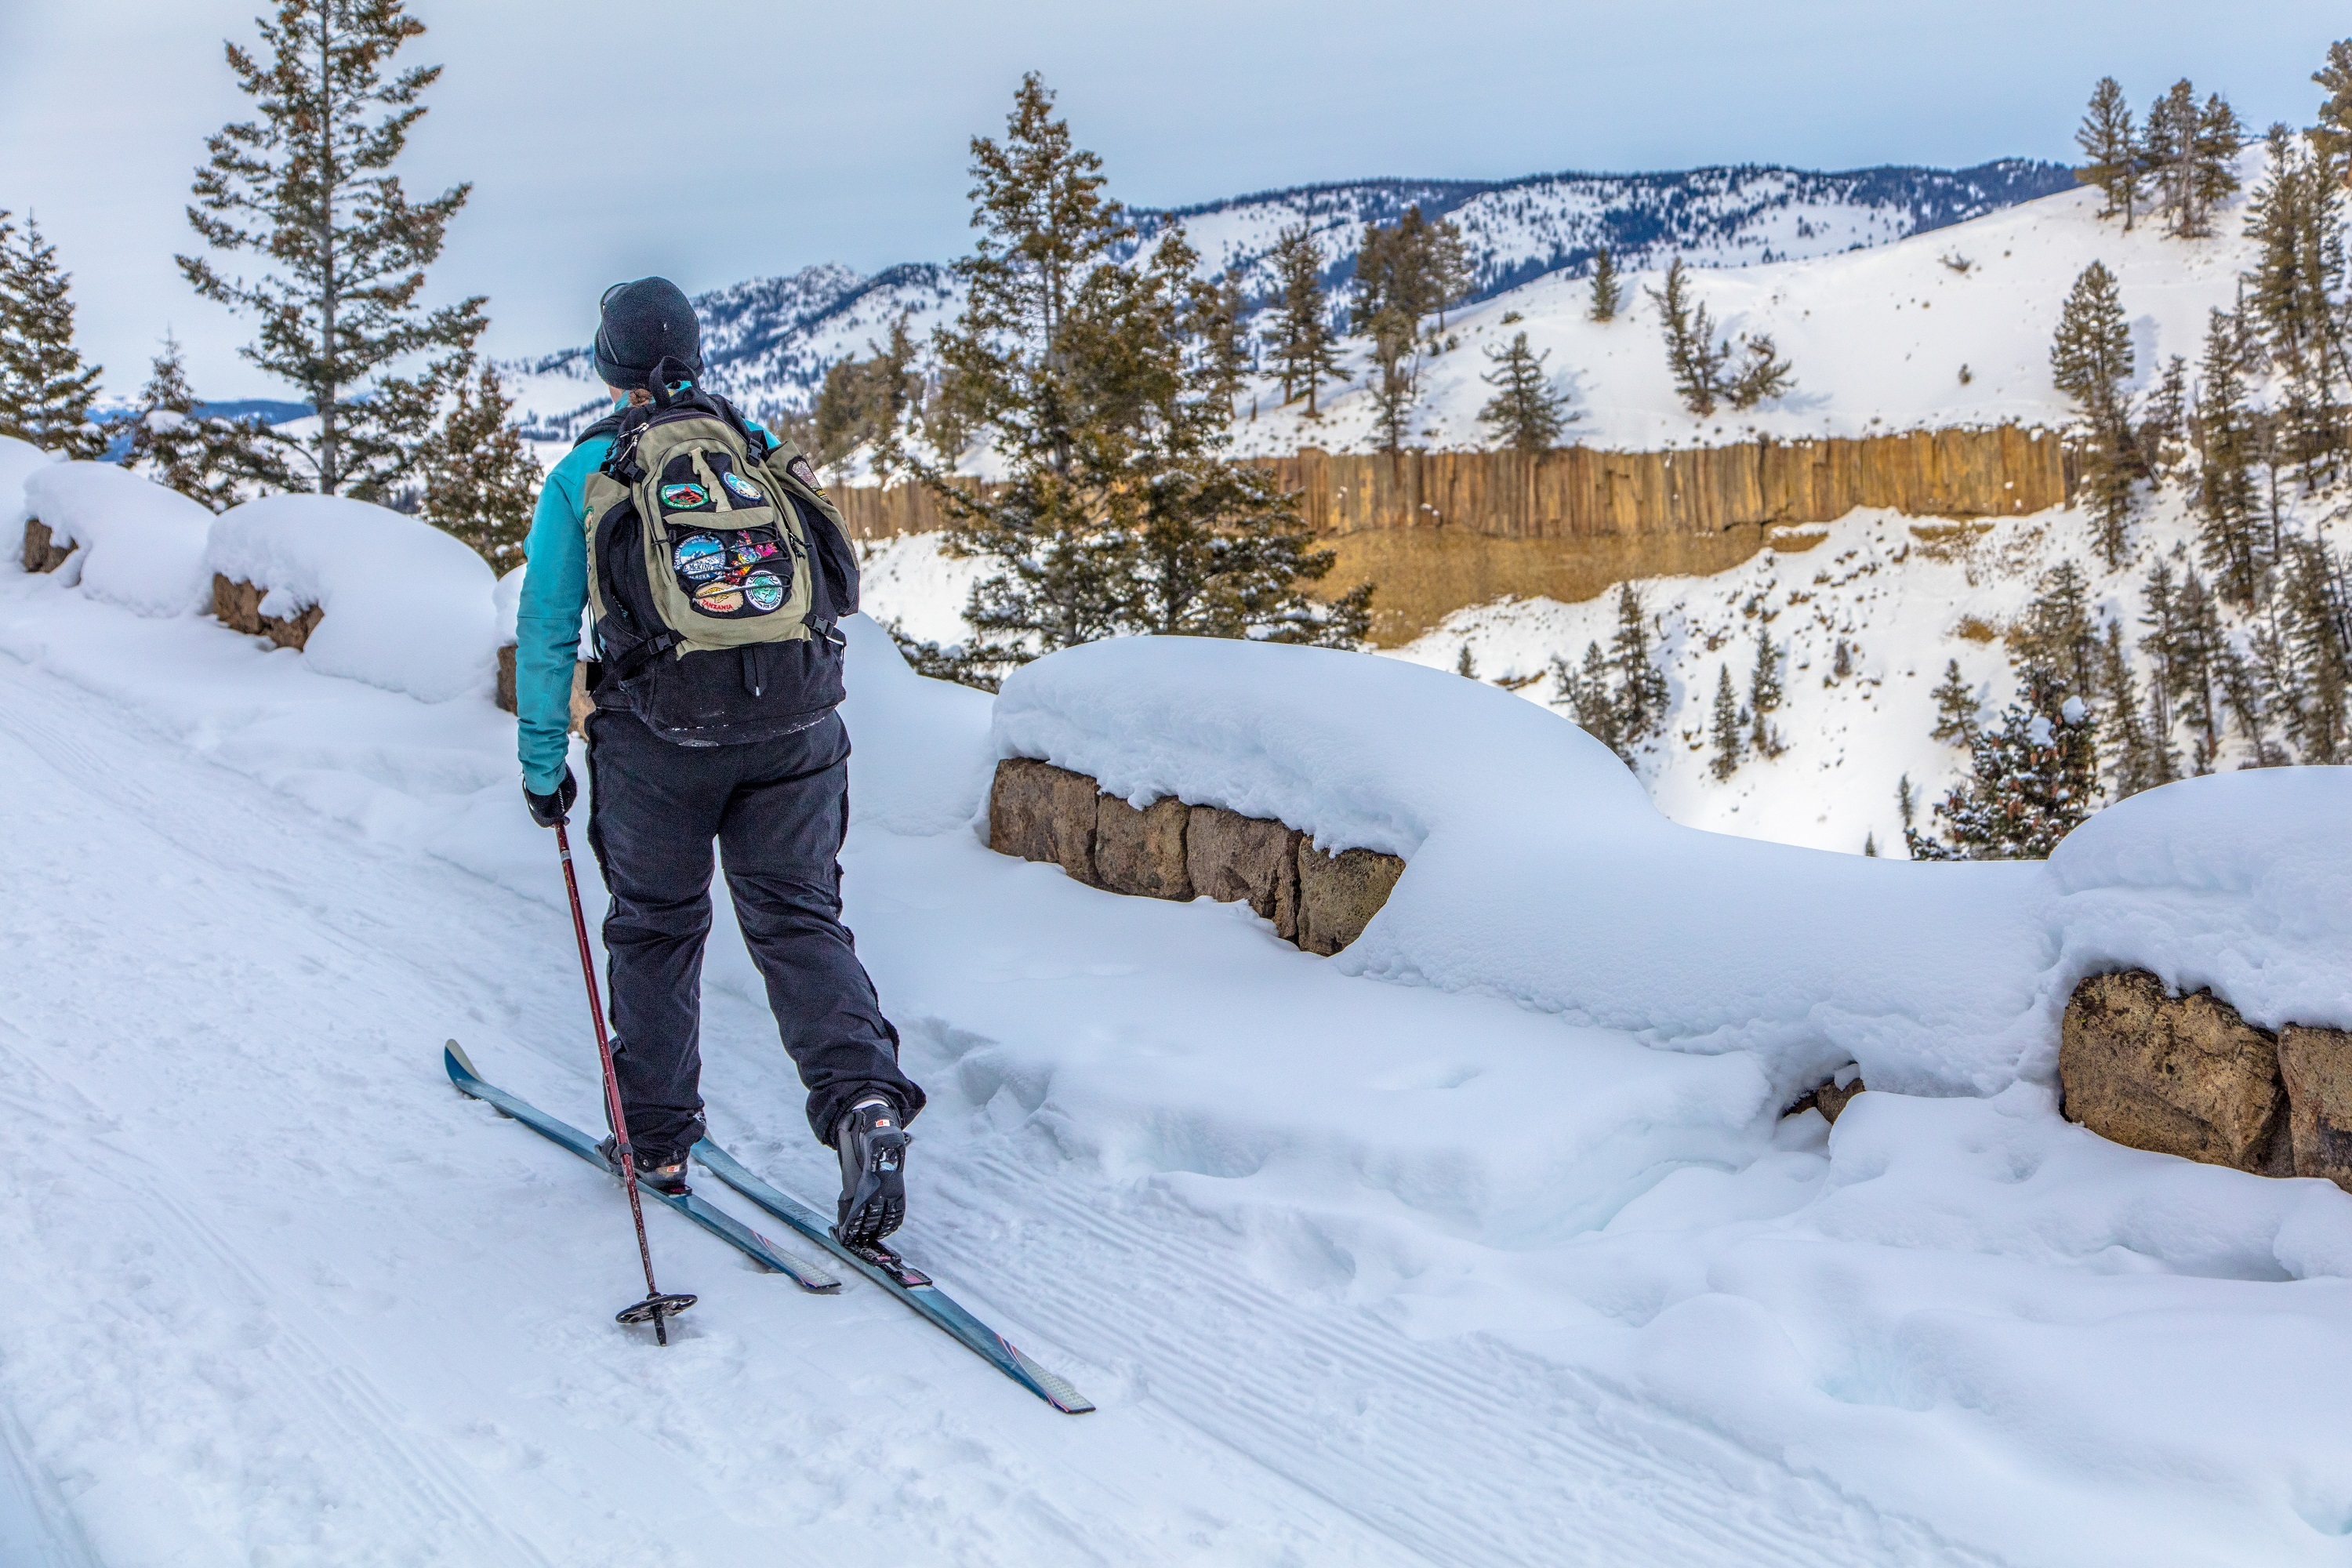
(554, 810)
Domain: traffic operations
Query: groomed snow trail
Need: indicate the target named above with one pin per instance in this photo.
(282, 1297)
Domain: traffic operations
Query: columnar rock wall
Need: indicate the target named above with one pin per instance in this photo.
(1172, 851)
(1439, 532)
(1580, 493)
(2186, 1076)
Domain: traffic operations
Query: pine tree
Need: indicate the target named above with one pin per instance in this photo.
(2133, 756)
(1305, 351)
(2032, 779)
(1464, 665)
(869, 403)
(2297, 278)
(2110, 151)
(2169, 149)
(1591, 697)
(2056, 631)
(1399, 278)
(1955, 708)
(1701, 365)
(1764, 696)
(1729, 729)
(2319, 629)
(1120, 512)
(1525, 413)
(310, 187)
(1220, 322)
(46, 391)
(2161, 432)
(1607, 291)
(2091, 361)
(2331, 138)
(2231, 540)
(2213, 169)
(202, 458)
(479, 478)
(1452, 273)
(1641, 689)
(1692, 355)
(2190, 659)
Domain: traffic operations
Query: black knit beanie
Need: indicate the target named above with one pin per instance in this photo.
(641, 323)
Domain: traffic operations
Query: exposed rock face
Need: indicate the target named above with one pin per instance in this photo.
(1172, 850)
(2175, 1075)
(1040, 812)
(2317, 1067)
(505, 698)
(238, 607)
(1339, 894)
(41, 553)
(1141, 852)
(1246, 859)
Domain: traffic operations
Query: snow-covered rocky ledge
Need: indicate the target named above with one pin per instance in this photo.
(1536, 869)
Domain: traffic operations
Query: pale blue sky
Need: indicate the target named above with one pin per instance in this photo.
(838, 131)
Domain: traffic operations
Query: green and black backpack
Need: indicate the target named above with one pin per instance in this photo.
(717, 571)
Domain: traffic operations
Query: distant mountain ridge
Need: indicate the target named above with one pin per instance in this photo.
(768, 342)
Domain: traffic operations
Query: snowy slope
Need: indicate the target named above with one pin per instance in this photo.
(770, 340)
(1359, 1272)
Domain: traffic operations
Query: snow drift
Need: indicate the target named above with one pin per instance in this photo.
(1537, 870)
(19, 461)
(141, 546)
(408, 607)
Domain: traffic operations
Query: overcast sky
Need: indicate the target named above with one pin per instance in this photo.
(838, 131)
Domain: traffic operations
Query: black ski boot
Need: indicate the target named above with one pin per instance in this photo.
(667, 1179)
(873, 1149)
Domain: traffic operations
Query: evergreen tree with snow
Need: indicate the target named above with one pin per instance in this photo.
(1693, 357)
(2032, 779)
(2163, 430)
(1642, 692)
(2190, 649)
(2091, 361)
(1591, 697)
(1608, 289)
(1764, 696)
(2056, 630)
(309, 189)
(2136, 760)
(1398, 280)
(1120, 512)
(2318, 615)
(1525, 413)
(46, 391)
(2214, 146)
(1220, 323)
(1955, 708)
(2331, 138)
(1302, 344)
(2231, 541)
(210, 461)
(2110, 151)
(479, 479)
(1452, 273)
(2293, 296)
(1728, 729)
(871, 403)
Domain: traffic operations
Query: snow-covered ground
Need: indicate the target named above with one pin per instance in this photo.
(1383, 1259)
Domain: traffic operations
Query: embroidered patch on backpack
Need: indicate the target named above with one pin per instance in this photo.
(699, 555)
(764, 590)
(742, 486)
(800, 469)
(685, 496)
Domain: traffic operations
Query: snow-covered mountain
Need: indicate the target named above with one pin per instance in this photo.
(1951, 328)
(770, 340)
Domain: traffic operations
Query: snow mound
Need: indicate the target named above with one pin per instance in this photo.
(407, 607)
(1538, 871)
(921, 754)
(507, 598)
(141, 546)
(19, 460)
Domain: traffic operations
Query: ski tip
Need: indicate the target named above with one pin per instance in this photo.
(460, 1065)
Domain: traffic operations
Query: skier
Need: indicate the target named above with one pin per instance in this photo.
(726, 565)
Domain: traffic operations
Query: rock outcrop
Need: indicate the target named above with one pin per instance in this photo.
(237, 605)
(1339, 894)
(2177, 1075)
(41, 551)
(2315, 1066)
(1172, 850)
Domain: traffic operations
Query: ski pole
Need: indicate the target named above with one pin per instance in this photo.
(655, 1306)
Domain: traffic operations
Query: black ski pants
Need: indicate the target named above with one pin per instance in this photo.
(778, 809)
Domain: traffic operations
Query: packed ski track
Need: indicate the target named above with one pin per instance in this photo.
(288, 1298)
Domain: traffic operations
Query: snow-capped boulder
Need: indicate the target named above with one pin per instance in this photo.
(401, 604)
(141, 545)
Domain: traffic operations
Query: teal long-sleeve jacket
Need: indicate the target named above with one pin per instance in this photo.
(547, 622)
